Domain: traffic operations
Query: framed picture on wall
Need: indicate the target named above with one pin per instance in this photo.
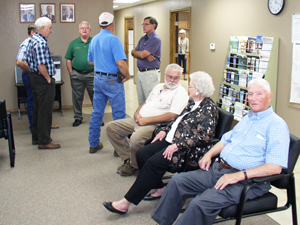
(27, 12)
(67, 13)
(48, 10)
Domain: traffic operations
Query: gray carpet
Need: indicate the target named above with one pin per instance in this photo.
(68, 185)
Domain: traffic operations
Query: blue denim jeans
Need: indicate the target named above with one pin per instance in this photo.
(26, 82)
(106, 88)
(181, 58)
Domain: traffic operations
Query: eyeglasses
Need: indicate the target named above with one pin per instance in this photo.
(84, 28)
(172, 78)
(145, 24)
(189, 87)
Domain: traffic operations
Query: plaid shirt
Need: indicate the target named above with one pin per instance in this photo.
(39, 54)
(22, 54)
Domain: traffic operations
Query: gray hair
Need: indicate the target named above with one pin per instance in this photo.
(42, 21)
(175, 67)
(30, 28)
(261, 82)
(203, 83)
(86, 23)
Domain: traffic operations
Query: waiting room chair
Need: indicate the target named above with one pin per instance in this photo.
(6, 131)
(268, 202)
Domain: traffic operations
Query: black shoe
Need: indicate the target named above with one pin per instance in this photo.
(77, 123)
(109, 207)
(149, 197)
(116, 154)
(102, 124)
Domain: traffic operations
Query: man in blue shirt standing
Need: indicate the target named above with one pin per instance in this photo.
(42, 83)
(20, 61)
(257, 146)
(107, 56)
(147, 52)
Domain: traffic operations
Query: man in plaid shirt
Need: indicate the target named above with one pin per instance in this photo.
(42, 70)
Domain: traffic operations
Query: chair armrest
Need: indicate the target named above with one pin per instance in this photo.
(259, 180)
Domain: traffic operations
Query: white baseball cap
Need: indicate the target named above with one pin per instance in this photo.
(182, 31)
(105, 19)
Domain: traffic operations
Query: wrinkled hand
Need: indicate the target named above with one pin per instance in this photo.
(226, 179)
(205, 163)
(161, 135)
(141, 121)
(168, 153)
(150, 58)
(125, 79)
(137, 116)
(185, 57)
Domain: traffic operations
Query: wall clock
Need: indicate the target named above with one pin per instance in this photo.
(275, 6)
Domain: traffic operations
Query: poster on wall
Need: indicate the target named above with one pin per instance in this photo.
(48, 10)
(67, 13)
(27, 12)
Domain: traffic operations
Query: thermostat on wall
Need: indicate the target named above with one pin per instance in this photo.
(212, 46)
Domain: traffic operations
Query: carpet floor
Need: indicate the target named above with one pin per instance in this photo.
(68, 185)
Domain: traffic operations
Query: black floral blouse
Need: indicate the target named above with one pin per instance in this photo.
(195, 128)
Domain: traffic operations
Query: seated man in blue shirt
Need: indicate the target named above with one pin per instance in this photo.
(256, 147)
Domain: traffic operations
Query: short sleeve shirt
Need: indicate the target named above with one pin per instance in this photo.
(22, 54)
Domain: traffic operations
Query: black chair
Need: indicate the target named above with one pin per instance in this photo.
(6, 131)
(268, 202)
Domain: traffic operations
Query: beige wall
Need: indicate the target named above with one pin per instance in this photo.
(12, 33)
(214, 21)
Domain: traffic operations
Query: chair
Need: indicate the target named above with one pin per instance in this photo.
(268, 202)
(224, 125)
(6, 131)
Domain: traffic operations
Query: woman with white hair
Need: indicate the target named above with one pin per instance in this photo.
(194, 126)
(183, 50)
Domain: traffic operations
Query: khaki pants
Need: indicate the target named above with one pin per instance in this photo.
(117, 132)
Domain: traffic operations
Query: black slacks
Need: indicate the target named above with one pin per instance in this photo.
(43, 99)
(152, 166)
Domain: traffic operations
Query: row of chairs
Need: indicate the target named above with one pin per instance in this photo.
(6, 131)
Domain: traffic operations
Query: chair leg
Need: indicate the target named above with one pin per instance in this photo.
(292, 197)
(11, 142)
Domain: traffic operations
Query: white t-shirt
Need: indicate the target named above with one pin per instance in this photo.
(174, 126)
(161, 101)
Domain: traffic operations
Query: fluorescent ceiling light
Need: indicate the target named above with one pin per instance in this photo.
(125, 1)
(115, 6)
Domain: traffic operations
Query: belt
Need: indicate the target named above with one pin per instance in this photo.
(147, 69)
(83, 72)
(225, 165)
(107, 74)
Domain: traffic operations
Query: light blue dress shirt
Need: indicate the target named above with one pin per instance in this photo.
(257, 139)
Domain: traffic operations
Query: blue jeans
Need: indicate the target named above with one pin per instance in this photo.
(181, 58)
(106, 88)
(26, 82)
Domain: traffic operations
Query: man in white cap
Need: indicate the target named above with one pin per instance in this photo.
(107, 56)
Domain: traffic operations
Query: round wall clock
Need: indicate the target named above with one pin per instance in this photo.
(275, 6)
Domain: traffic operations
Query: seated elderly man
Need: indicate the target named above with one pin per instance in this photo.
(256, 147)
(164, 104)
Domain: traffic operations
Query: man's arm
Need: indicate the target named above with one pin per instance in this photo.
(167, 117)
(267, 169)
(205, 162)
(91, 63)
(43, 70)
(140, 54)
(69, 65)
(23, 65)
(122, 65)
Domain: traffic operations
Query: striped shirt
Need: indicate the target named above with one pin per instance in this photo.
(257, 139)
(22, 54)
(38, 53)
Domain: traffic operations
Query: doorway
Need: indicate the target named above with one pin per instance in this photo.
(128, 43)
(179, 19)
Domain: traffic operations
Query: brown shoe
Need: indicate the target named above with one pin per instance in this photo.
(127, 161)
(54, 126)
(49, 146)
(127, 170)
(36, 142)
(95, 149)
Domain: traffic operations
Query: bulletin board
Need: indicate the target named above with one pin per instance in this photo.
(294, 98)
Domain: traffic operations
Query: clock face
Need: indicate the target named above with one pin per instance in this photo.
(275, 6)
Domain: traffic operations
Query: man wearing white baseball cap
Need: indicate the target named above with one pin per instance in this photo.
(107, 56)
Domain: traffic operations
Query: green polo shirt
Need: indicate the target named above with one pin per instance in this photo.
(78, 52)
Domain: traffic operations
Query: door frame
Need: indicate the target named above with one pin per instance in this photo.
(126, 41)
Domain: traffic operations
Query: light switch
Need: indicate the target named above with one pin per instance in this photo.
(212, 46)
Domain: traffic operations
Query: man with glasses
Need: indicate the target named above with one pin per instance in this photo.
(164, 104)
(148, 53)
(81, 73)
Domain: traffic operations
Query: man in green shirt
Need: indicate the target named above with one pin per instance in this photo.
(81, 74)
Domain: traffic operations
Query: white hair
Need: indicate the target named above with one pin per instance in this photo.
(42, 21)
(203, 83)
(261, 82)
(86, 23)
(175, 67)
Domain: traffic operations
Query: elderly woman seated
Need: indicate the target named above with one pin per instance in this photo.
(194, 126)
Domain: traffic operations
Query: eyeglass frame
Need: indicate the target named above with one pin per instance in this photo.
(172, 78)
